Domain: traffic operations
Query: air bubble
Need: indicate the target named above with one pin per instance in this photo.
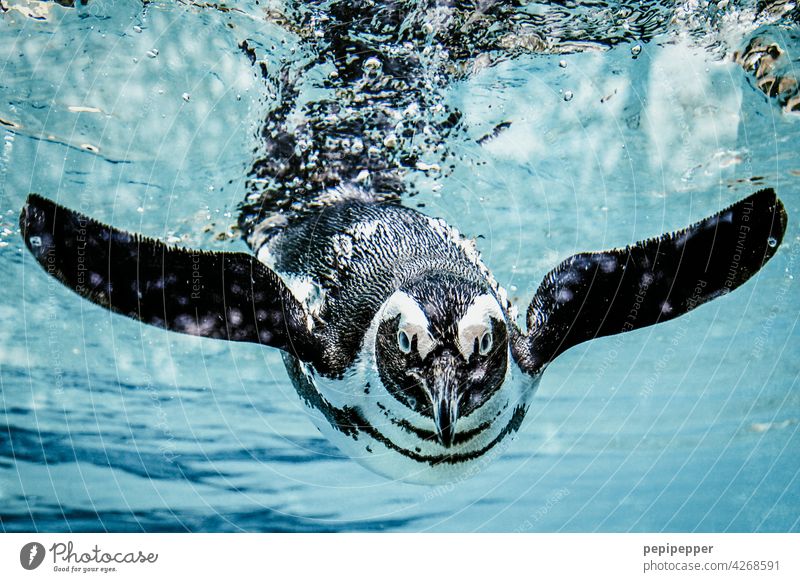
(772, 242)
(562, 63)
(137, 28)
(152, 53)
(411, 110)
(186, 97)
(372, 64)
(35, 241)
(568, 95)
(636, 50)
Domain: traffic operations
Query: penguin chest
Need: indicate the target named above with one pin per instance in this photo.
(372, 427)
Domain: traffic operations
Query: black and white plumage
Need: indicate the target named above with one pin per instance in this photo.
(394, 332)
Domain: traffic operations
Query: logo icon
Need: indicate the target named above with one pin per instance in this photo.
(31, 555)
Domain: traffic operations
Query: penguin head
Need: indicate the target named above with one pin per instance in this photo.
(442, 349)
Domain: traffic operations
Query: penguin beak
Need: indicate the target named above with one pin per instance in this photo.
(443, 393)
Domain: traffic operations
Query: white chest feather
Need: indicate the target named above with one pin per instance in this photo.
(369, 425)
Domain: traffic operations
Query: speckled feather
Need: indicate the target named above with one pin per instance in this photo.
(220, 295)
(360, 253)
(598, 294)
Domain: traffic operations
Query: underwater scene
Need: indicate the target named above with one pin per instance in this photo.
(538, 130)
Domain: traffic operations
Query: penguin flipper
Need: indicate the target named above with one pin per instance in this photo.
(219, 295)
(598, 294)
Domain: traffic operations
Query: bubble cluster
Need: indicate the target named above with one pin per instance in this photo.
(361, 97)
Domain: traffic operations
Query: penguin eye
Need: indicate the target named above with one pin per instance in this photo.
(486, 343)
(403, 341)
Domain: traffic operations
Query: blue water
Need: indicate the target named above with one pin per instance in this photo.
(108, 425)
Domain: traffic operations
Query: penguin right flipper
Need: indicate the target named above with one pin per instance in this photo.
(592, 295)
(228, 296)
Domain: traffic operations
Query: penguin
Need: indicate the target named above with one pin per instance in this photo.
(395, 334)
(403, 346)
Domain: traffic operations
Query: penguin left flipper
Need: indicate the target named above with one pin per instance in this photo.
(220, 295)
(598, 294)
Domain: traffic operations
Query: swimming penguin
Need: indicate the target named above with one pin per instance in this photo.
(393, 331)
